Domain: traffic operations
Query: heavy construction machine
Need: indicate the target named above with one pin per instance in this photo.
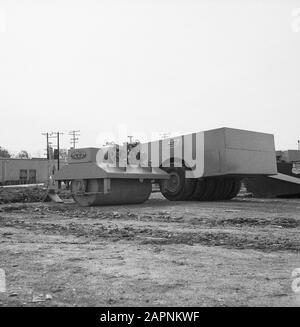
(201, 166)
(285, 184)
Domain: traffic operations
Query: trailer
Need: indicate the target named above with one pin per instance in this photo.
(203, 166)
(285, 184)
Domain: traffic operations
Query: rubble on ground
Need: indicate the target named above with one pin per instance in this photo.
(22, 194)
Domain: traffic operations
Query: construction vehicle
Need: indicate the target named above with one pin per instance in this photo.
(202, 166)
(285, 184)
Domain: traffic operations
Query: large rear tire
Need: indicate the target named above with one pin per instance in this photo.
(210, 189)
(199, 191)
(216, 189)
(235, 189)
(228, 185)
(219, 189)
(177, 187)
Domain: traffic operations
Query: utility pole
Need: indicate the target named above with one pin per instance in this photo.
(75, 137)
(56, 153)
(56, 135)
(298, 144)
(49, 156)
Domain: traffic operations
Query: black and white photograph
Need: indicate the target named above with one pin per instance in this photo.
(149, 156)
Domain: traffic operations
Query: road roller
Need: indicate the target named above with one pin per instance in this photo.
(203, 166)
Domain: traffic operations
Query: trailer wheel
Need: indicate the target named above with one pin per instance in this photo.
(228, 185)
(200, 189)
(219, 189)
(210, 189)
(177, 187)
(236, 186)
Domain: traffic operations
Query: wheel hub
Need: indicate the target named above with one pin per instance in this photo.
(173, 183)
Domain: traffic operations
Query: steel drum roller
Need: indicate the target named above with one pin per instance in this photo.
(129, 191)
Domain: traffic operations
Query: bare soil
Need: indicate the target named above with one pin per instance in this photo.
(236, 253)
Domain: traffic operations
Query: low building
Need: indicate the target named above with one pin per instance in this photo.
(25, 171)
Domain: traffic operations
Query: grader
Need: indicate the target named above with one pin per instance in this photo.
(203, 166)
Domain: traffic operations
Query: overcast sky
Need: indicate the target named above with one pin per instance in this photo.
(147, 65)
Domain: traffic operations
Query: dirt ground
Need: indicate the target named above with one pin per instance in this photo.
(161, 253)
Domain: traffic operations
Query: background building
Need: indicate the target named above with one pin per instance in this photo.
(25, 171)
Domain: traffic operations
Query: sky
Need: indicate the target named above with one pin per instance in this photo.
(145, 67)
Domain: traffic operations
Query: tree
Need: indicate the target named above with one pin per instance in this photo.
(23, 154)
(4, 153)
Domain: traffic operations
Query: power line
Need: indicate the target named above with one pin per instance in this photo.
(48, 152)
(57, 151)
(74, 137)
(56, 136)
